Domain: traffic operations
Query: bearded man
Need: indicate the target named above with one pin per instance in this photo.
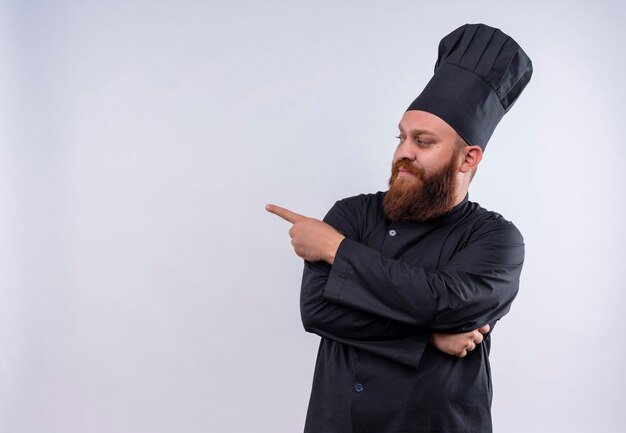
(405, 286)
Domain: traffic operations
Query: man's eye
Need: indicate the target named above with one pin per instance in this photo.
(399, 137)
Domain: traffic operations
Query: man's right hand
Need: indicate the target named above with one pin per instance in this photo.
(459, 344)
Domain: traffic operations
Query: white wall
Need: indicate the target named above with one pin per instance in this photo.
(143, 288)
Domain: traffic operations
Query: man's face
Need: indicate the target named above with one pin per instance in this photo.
(423, 177)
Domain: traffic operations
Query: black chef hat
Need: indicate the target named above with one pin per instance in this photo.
(479, 74)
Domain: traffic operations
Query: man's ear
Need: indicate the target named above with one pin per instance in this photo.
(473, 155)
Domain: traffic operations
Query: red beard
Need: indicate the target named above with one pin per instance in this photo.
(421, 199)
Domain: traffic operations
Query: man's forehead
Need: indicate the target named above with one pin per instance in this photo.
(424, 123)
(416, 131)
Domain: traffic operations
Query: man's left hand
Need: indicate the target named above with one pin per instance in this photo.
(459, 344)
(312, 239)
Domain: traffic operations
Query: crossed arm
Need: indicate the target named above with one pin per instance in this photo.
(318, 242)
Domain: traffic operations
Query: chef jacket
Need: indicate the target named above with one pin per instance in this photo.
(391, 286)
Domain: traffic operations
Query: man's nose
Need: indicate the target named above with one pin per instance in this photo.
(405, 151)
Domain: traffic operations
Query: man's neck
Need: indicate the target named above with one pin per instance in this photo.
(459, 196)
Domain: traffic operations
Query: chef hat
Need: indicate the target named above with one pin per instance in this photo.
(479, 74)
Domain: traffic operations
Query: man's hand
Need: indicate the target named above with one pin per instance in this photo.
(459, 344)
(311, 238)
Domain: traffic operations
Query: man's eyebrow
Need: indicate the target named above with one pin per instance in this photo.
(418, 132)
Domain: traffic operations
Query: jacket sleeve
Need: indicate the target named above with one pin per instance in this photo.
(477, 286)
(334, 321)
(380, 336)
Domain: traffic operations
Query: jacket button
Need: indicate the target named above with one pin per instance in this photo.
(358, 387)
(392, 232)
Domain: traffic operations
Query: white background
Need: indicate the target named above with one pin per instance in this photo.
(143, 288)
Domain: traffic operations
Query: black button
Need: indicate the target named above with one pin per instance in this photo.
(358, 387)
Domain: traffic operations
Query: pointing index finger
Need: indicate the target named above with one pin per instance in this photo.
(285, 214)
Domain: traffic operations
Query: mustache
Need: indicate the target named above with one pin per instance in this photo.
(405, 164)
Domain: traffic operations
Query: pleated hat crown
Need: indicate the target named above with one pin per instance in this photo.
(479, 74)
